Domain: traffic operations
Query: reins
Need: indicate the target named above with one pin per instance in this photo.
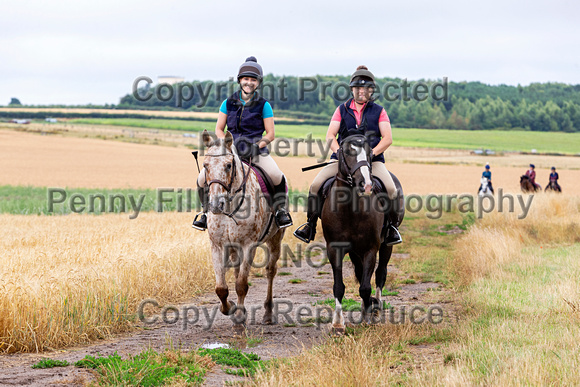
(228, 187)
(350, 171)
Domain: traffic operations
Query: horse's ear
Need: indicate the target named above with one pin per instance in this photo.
(207, 138)
(228, 140)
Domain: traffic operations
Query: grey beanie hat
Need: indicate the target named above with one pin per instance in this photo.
(250, 68)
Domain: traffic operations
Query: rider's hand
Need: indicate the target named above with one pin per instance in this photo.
(255, 150)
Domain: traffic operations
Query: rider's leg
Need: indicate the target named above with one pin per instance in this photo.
(267, 163)
(490, 187)
(393, 236)
(380, 171)
(200, 221)
(307, 231)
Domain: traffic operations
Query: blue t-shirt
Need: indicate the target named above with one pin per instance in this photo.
(267, 111)
(486, 174)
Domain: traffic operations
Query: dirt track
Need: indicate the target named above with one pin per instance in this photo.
(279, 340)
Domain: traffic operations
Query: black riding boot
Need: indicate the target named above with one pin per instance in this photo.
(282, 216)
(392, 236)
(307, 231)
(200, 221)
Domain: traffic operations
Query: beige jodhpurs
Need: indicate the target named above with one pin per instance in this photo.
(379, 170)
(266, 162)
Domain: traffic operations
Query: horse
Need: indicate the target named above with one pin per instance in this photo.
(355, 227)
(527, 186)
(552, 186)
(234, 235)
(484, 190)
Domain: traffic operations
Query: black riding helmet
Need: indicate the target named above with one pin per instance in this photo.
(250, 68)
(362, 77)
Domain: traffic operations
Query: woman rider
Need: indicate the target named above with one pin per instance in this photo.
(531, 173)
(554, 178)
(247, 115)
(487, 175)
(361, 114)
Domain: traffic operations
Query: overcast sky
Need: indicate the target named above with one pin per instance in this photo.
(79, 52)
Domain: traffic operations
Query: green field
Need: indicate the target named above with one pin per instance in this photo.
(517, 141)
(27, 200)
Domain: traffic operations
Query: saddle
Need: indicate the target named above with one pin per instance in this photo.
(266, 184)
(378, 187)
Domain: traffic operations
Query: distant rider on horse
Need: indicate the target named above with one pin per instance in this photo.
(531, 174)
(362, 115)
(554, 180)
(247, 115)
(487, 175)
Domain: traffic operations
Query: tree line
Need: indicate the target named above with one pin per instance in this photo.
(458, 105)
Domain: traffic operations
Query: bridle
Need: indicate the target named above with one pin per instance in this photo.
(228, 186)
(348, 171)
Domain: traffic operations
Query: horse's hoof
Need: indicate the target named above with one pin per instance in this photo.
(267, 320)
(240, 329)
(231, 309)
(337, 330)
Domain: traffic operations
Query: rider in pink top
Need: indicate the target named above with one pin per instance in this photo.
(358, 114)
(531, 173)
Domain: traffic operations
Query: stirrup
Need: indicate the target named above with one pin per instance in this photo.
(305, 239)
(200, 224)
(283, 223)
(390, 239)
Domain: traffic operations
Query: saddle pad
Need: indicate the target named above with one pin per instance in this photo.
(262, 180)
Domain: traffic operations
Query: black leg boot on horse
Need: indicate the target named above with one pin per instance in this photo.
(307, 231)
(281, 215)
(200, 221)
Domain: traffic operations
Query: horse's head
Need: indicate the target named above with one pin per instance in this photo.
(220, 164)
(354, 163)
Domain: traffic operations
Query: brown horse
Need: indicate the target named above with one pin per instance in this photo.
(237, 223)
(352, 220)
(553, 186)
(527, 186)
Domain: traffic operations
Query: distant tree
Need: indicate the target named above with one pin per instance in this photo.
(14, 101)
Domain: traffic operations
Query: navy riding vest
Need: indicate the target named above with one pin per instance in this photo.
(369, 125)
(245, 122)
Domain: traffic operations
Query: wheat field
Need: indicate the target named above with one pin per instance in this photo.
(68, 280)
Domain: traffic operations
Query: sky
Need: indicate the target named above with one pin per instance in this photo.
(80, 52)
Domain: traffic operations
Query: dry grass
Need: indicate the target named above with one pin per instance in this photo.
(521, 298)
(73, 279)
(500, 237)
(370, 357)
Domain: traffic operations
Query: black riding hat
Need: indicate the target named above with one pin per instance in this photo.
(362, 77)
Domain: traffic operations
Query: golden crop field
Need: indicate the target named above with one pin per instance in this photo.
(68, 280)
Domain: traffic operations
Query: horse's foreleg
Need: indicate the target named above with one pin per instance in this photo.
(271, 269)
(221, 286)
(335, 257)
(381, 272)
(369, 261)
(243, 271)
